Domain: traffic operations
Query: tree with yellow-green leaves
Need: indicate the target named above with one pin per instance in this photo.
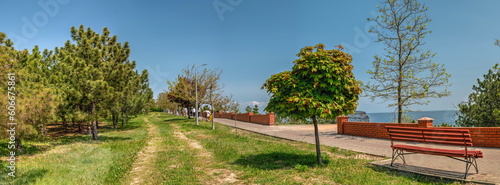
(405, 74)
(320, 85)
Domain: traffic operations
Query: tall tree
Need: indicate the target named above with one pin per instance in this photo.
(182, 90)
(225, 104)
(405, 73)
(482, 109)
(33, 98)
(320, 85)
(97, 70)
(214, 88)
(164, 103)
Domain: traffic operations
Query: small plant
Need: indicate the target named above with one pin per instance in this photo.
(301, 168)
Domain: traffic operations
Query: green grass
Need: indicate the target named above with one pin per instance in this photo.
(252, 158)
(260, 159)
(80, 160)
(175, 163)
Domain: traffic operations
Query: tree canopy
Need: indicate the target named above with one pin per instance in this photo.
(405, 73)
(182, 90)
(320, 85)
(90, 77)
(482, 109)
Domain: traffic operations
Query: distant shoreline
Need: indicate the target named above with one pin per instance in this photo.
(439, 116)
(409, 112)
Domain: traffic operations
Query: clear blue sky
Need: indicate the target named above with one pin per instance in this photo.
(253, 39)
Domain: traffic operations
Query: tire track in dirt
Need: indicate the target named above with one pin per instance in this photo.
(146, 157)
(220, 176)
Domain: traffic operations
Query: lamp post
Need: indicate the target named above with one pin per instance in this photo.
(196, 91)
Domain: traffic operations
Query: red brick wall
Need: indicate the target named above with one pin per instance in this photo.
(370, 129)
(481, 136)
(484, 136)
(244, 117)
(224, 115)
(265, 119)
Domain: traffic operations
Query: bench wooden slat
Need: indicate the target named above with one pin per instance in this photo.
(428, 129)
(437, 151)
(412, 132)
(435, 136)
(433, 141)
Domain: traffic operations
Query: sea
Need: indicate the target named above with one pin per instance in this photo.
(441, 116)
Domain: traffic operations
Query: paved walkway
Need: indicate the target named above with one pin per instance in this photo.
(489, 166)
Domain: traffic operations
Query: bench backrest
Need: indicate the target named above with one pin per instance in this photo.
(459, 137)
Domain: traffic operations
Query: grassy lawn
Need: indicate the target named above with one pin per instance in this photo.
(190, 154)
(258, 159)
(80, 160)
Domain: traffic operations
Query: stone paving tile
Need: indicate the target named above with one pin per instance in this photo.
(440, 166)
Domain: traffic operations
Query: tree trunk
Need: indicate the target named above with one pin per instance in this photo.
(80, 128)
(64, 122)
(126, 118)
(19, 144)
(123, 119)
(316, 137)
(94, 131)
(94, 123)
(114, 117)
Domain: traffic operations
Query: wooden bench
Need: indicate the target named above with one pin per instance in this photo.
(441, 136)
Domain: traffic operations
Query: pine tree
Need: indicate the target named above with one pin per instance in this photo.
(255, 109)
(482, 109)
(248, 109)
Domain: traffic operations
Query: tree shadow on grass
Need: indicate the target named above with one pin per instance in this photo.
(28, 177)
(88, 139)
(177, 119)
(28, 149)
(279, 160)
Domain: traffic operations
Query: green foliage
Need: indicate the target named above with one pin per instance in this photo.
(98, 79)
(248, 109)
(321, 84)
(444, 125)
(405, 73)
(482, 109)
(182, 91)
(34, 95)
(89, 77)
(255, 109)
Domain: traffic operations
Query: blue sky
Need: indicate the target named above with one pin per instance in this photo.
(253, 39)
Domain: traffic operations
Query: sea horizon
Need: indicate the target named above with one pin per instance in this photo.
(439, 116)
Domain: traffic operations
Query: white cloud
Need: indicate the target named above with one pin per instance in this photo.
(253, 103)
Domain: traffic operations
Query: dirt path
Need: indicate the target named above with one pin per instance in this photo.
(140, 169)
(219, 176)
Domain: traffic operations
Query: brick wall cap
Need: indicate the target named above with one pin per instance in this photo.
(425, 119)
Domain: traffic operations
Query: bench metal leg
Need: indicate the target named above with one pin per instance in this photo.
(397, 153)
(471, 161)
